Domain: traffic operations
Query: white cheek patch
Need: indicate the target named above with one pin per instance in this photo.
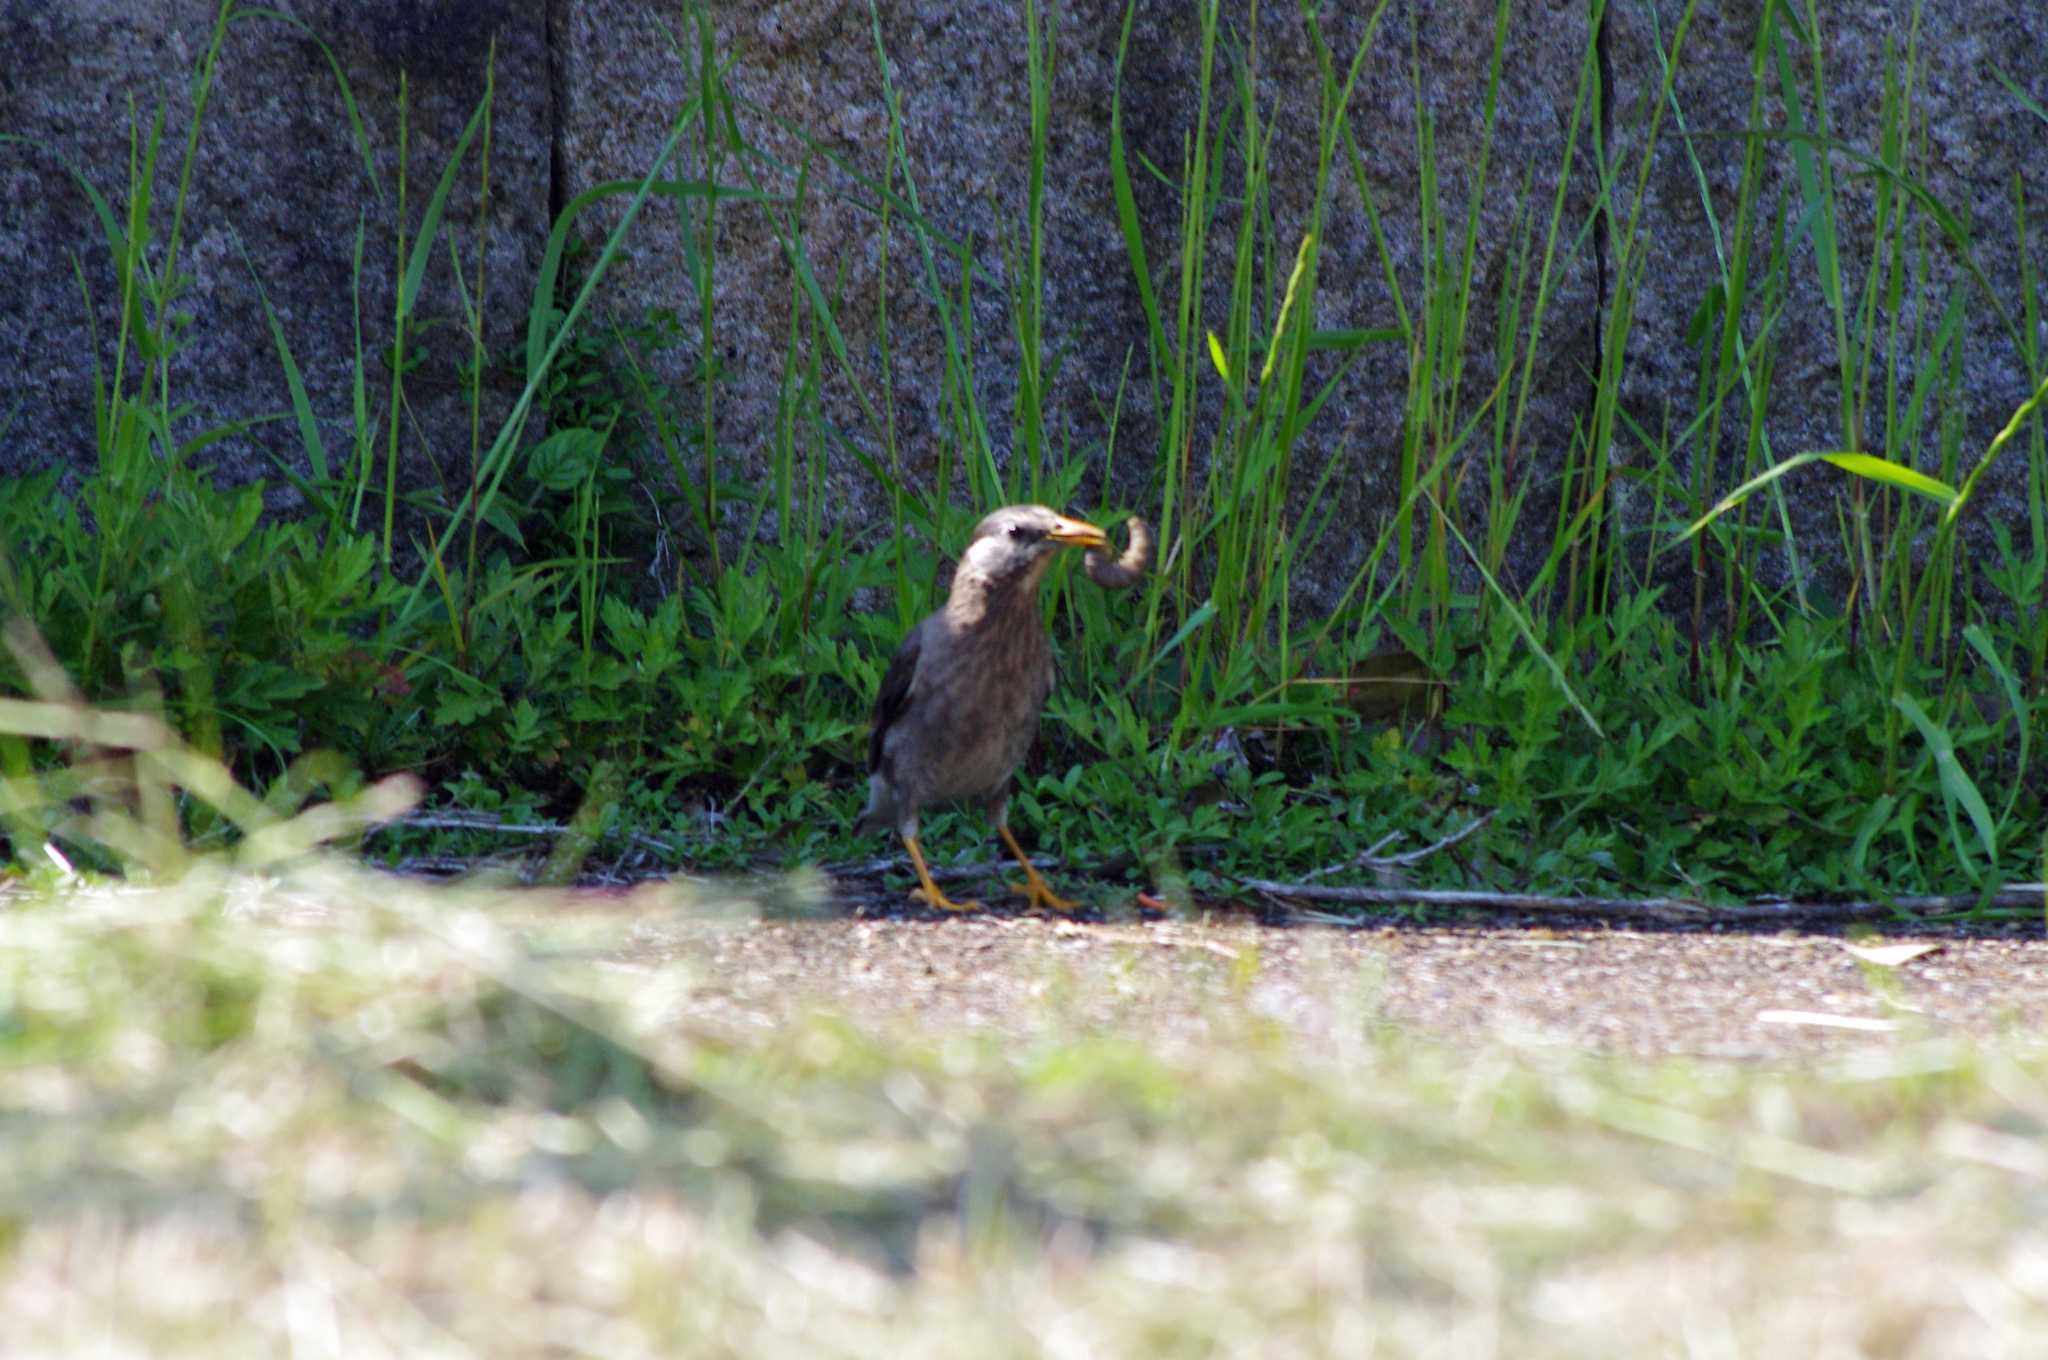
(983, 554)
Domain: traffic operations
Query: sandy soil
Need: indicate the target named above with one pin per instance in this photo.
(1706, 993)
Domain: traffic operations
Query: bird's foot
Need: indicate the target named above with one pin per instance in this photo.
(935, 898)
(1034, 888)
(1041, 896)
(927, 891)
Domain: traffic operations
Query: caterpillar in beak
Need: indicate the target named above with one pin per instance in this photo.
(1127, 570)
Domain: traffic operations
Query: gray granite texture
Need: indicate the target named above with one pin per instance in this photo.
(586, 91)
(277, 175)
(1977, 148)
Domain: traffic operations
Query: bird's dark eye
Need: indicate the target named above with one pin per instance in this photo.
(1022, 532)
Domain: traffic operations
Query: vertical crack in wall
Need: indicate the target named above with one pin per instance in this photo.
(1603, 208)
(556, 37)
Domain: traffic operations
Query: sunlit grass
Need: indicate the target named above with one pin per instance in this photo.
(324, 1111)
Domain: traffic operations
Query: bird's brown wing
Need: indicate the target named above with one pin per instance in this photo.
(894, 697)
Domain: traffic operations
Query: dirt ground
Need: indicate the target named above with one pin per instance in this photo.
(1638, 992)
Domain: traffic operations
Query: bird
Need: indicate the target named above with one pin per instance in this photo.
(959, 704)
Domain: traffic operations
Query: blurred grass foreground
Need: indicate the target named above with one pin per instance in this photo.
(264, 1101)
(323, 1114)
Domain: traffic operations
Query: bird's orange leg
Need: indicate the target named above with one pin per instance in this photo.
(1037, 889)
(930, 891)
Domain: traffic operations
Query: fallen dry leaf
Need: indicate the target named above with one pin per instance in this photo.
(1890, 955)
(1826, 1020)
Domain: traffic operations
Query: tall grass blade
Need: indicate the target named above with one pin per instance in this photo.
(1957, 790)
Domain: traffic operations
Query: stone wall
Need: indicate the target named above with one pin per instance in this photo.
(277, 177)
(585, 91)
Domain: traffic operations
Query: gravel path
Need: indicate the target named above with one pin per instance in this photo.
(1742, 995)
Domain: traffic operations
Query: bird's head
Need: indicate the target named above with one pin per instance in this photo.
(1010, 549)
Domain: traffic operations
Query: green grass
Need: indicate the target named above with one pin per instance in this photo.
(1671, 693)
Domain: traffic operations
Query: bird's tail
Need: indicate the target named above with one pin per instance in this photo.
(876, 816)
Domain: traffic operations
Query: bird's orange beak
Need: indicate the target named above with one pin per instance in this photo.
(1079, 533)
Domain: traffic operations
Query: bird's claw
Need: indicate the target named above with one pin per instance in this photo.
(945, 903)
(1043, 898)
